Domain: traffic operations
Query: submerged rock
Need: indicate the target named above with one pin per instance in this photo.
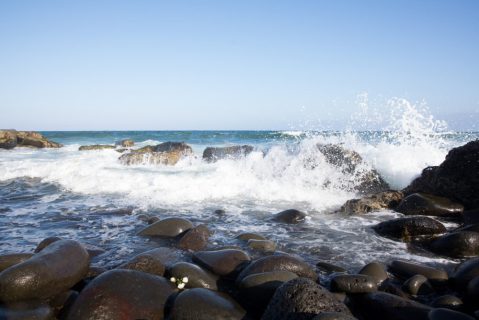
(457, 244)
(96, 147)
(212, 154)
(429, 205)
(290, 216)
(408, 228)
(245, 236)
(167, 153)
(262, 245)
(378, 201)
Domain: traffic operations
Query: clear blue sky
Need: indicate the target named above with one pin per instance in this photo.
(112, 64)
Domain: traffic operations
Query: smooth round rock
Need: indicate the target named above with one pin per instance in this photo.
(465, 272)
(408, 228)
(250, 236)
(195, 239)
(375, 270)
(417, 285)
(457, 244)
(55, 269)
(221, 262)
(153, 261)
(262, 245)
(8, 260)
(123, 294)
(197, 276)
(406, 270)
(290, 216)
(299, 298)
(329, 267)
(168, 228)
(429, 205)
(204, 304)
(447, 314)
(447, 301)
(353, 283)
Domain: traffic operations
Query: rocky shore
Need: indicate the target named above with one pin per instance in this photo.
(192, 278)
(10, 139)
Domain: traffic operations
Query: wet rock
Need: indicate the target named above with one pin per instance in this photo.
(167, 153)
(376, 202)
(53, 270)
(279, 263)
(447, 314)
(417, 285)
(329, 267)
(406, 270)
(96, 147)
(169, 228)
(8, 260)
(447, 301)
(457, 178)
(123, 294)
(409, 228)
(8, 139)
(197, 276)
(26, 311)
(457, 244)
(381, 305)
(302, 298)
(290, 216)
(353, 283)
(195, 239)
(375, 270)
(153, 261)
(221, 262)
(429, 205)
(262, 245)
(204, 304)
(125, 143)
(46, 242)
(233, 152)
(465, 272)
(35, 139)
(250, 236)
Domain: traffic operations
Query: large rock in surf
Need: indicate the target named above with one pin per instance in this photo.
(8, 139)
(96, 147)
(302, 298)
(460, 244)
(12, 138)
(290, 216)
(408, 228)
(168, 228)
(429, 205)
(367, 180)
(53, 270)
(212, 154)
(457, 178)
(123, 294)
(376, 202)
(167, 153)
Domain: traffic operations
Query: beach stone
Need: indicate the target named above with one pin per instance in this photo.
(381, 305)
(465, 272)
(195, 239)
(447, 314)
(302, 298)
(167, 153)
(329, 267)
(429, 205)
(46, 242)
(55, 269)
(353, 283)
(457, 178)
(290, 216)
(123, 294)
(408, 228)
(27, 311)
(457, 244)
(250, 236)
(333, 316)
(447, 301)
(204, 304)
(125, 143)
(96, 147)
(221, 262)
(197, 276)
(212, 154)
(417, 285)
(8, 260)
(35, 139)
(8, 139)
(153, 261)
(376, 202)
(168, 228)
(375, 270)
(262, 245)
(406, 270)
(279, 263)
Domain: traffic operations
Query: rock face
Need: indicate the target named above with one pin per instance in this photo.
(168, 228)
(233, 152)
(429, 205)
(379, 201)
(53, 270)
(457, 178)
(123, 294)
(290, 216)
(126, 143)
(367, 180)
(408, 228)
(167, 153)
(96, 147)
(457, 244)
(10, 139)
(302, 298)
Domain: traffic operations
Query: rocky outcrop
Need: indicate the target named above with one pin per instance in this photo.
(376, 202)
(212, 154)
(366, 179)
(96, 147)
(457, 178)
(167, 153)
(10, 139)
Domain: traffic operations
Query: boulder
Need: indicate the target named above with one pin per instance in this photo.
(125, 143)
(53, 270)
(204, 304)
(302, 298)
(8, 139)
(167, 153)
(329, 267)
(457, 178)
(353, 283)
(35, 139)
(460, 244)
(11, 259)
(429, 205)
(197, 276)
(168, 228)
(195, 239)
(409, 228)
(290, 216)
(262, 245)
(375, 270)
(154, 261)
(465, 272)
(212, 154)
(123, 294)
(96, 147)
(376, 202)
(405, 269)
(417, 285)
(221, 262)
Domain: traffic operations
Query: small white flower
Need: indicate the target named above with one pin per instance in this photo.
(173, 279)
(181, 285)
(185, 280)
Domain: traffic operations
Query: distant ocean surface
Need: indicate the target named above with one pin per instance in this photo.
(92, 197)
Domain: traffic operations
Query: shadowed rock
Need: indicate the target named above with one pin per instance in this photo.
(212, 154)
(465, 272)
(8, 139)
(195, 239)
(375, 270)
(457, 244)
(153, 261)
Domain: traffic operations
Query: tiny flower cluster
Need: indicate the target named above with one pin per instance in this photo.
(180, 282)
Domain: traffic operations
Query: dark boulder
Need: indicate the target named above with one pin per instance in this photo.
(154, 261)
(376, 202)
(417, 285)
(333, 316)
(195, 239)
(409, 228)
(197, 276)
(212, 154)
(328, 268)
(405, 270)
(290, 216)
(221, 262)
(457, 244)
(168, 228)
(375, 270)
(167, 153)
(45, 243)
(353, 283)
(429, 205)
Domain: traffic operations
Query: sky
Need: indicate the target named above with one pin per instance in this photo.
(204, 64)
